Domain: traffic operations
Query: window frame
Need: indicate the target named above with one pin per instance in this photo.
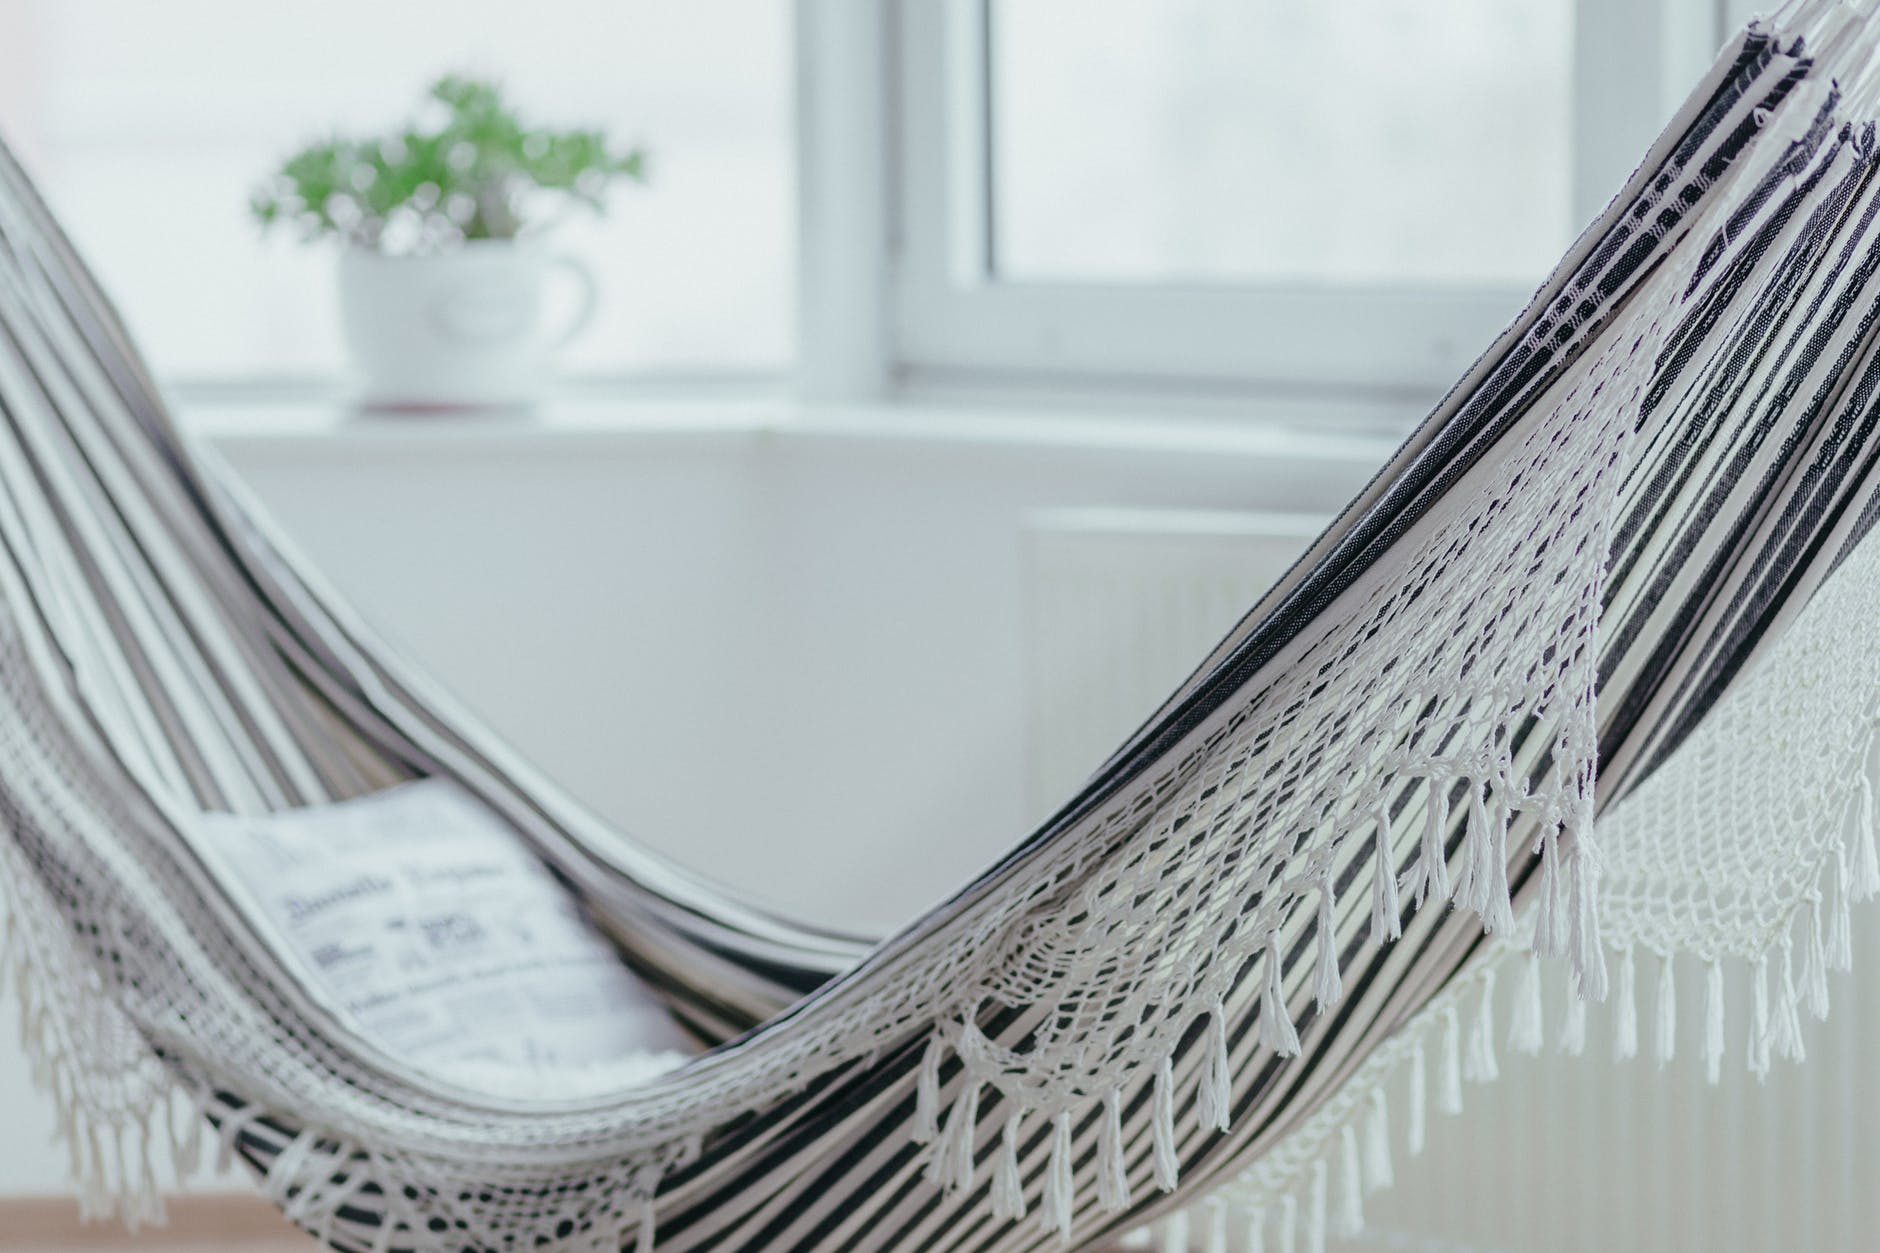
(892, 293)
(954, 321)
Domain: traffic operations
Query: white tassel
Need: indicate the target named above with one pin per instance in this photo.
(12, 956)
(1550, 914)
(126, 1192)
(1059, 1188)
(1449, 1082)
(1865, 881)
(1167, 1168)
(927, 1095)
(1786, 1029)
(151, 1210)
(1378, 1172)
(1840, 930)
(1326, 989)
(1479, 1065)
(1289, 1224)
(1316, 1208)
(1526, 1026)
(1175, 1232)
(96, 1198)
(1471, 891)
(1276, 1026)
(74, 1153)
(1386, 910)
(1498, 913)
(1665, 1038)
(958, 1150)
(234, 1123)
(186, 1142)
(1625, 1009)
(1713, 1021)
(1112, 1171)
(1431, 876)
(1350, 1217)
(1589, 958)
(1759, 1019)
(1214, 1103)
(649, 1227)
(284, 1171)
(1217, 1227)
(149, 1201)
(1256, 1229)
(1573, 1023)
(1416, 1120)
(1815, 968)
(1008, 1185)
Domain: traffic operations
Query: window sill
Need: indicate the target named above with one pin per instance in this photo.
(1307, 430)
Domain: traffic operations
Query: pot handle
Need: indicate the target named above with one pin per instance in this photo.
(587, 297)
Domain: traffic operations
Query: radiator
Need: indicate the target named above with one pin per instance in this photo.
(1121, 605)
(1562, 1153)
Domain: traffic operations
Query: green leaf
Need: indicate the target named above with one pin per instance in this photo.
(479, 172)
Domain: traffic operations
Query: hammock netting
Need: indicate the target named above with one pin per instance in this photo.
(1579, 675)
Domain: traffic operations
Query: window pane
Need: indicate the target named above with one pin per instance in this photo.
(1362, 142)
(149, 123)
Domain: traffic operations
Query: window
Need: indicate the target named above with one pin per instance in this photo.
(1252, 191)
(1181, 194)
(1178, 143)
(149, 123)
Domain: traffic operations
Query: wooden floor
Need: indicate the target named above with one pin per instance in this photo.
(198, 1224)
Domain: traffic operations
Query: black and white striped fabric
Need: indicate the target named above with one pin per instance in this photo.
(164, 653)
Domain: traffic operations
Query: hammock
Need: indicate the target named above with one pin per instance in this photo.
(1617, 572)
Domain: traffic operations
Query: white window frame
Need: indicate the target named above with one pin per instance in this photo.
(940, 316)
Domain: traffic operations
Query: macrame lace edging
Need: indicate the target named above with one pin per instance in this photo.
(126, 1135)
(1312, 1185)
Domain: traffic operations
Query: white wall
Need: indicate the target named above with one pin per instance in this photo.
(792, 658)
(786, 649)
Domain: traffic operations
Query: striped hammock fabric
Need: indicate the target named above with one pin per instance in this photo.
(1579, 675)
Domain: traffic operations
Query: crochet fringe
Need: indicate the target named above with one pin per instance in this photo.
(1348, 1146)
(119, 1123)
(118, 1161)
(134, 1132)
(1355, 1152)
(1354, 1157)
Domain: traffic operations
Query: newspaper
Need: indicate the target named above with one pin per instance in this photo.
(425, 924)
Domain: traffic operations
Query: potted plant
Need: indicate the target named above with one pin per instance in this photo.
(443, 281)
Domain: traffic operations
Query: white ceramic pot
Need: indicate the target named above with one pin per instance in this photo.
(463, 328)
